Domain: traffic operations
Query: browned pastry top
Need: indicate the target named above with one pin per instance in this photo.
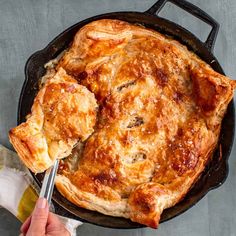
(161, 109)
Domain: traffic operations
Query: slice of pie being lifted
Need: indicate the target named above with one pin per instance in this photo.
(63, 113)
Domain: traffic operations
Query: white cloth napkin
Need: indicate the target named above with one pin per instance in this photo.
(18, 192)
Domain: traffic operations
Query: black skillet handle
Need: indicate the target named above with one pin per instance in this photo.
(194, 10)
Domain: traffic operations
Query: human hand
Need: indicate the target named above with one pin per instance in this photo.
(43, 223)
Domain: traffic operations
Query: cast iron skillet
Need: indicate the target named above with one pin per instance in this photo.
(217, 170)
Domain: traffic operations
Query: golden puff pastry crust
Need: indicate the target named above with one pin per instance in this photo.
(63, 112)
(161, 109)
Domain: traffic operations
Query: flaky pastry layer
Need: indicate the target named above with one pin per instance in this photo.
(161, 109)
(63, 113)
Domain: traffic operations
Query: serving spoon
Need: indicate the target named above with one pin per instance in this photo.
(48, 182)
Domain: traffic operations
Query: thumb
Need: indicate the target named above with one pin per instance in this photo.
(39, 218)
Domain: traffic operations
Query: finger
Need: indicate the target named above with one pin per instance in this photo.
(39, 218)
(54, 219)
(55, 226)
(54, 223)
(24, 228)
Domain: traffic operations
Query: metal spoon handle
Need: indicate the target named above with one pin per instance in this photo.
(48, 182)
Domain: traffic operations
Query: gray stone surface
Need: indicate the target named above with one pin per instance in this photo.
(28, 25)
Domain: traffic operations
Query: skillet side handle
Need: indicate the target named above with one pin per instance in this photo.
(193, 10)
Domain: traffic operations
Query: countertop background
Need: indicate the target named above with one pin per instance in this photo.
(28, 25)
